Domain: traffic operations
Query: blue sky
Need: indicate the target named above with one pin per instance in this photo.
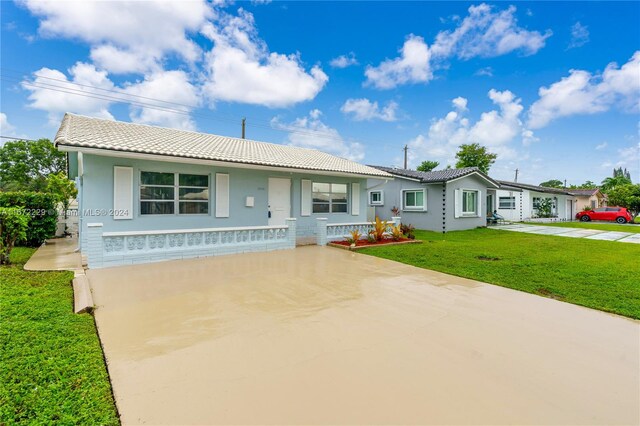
(553, 88)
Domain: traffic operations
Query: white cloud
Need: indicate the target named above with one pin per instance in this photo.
(6, 128)
(311, 132)
(484, 32)
(173, 86)
(120, 61)
(584, 93)
(579, 35)
(497, 130)
(602, 146)
(487, 33)
(365, 110)
(57, 102)
(412, 66)
(239, 67)
(460, 103)
(485, 71)
(344, 61)
(146, 30)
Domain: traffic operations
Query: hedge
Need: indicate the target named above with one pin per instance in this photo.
(41, 207)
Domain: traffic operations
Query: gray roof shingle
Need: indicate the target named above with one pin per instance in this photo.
(584, 192)
(536, 188)
(85, 132)
(436, 175)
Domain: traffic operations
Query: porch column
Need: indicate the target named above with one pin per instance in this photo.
(321, 234)
(94, 249)
(291, 232)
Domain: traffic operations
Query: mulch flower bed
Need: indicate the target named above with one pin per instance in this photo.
(364, 243)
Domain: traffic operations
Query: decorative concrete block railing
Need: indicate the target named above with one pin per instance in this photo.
(337, 231)
(124, 248)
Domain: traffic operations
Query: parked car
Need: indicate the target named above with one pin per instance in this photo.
(617, 214)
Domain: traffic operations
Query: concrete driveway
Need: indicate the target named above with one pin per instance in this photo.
(324, 336)
(590, 234)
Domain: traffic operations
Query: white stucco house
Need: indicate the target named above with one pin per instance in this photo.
(148, 193)
(517, 201)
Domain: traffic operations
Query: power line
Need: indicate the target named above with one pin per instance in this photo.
(17, 139)
(106, 97)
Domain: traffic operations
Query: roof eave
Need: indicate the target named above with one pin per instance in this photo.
(194, 160)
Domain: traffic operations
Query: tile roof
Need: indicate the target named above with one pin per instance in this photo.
(436, 175)
(536, 188)
(584, 192)
(85, 132)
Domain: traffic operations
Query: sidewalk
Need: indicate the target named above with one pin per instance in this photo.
(590, 234)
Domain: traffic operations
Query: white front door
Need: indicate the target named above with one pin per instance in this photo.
(279, 200)
(569, 214)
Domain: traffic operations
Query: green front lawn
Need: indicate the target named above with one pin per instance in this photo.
(51, 364)
(602, 226)
(597, 274)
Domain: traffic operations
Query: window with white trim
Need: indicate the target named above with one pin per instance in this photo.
(469, 203)
(329, 197)
(375, 198)
(413, 199)
(170, 193)
(507, 203)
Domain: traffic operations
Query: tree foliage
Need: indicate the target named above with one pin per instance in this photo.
(626, 196)
(25, 165)
(553, 183)
(614, 182)
(587, 185)
(427, 166)
(474, 155)
(619, 172)
(62, 188)
(40, 207)
(13, 228)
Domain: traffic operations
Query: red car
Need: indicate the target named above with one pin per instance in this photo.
(618, 214)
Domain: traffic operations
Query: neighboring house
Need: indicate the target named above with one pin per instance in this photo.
(591, 198)
(148, 193)
(517, 201)
(442, 201)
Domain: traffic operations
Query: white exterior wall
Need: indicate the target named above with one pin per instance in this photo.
(524, 205)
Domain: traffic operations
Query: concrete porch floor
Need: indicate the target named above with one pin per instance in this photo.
(317, 335)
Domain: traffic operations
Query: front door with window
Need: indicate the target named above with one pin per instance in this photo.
(490, 206)
(279, 200)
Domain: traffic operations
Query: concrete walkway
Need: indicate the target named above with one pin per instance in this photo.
(590, 234)
(57, 254)
(317, 335)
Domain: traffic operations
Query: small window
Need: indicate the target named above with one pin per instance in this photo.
(413, 199)
(329, 197)
(593, 204)
(193, 194)
(601, 209)
(470, 203)
(507, 203)
(375, 198)
(157, 193)
(160, 192)
(613, 209)
(536, 202)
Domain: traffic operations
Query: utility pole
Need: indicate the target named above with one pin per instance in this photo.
(244, 122)
(516, 176)
(405, 149)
